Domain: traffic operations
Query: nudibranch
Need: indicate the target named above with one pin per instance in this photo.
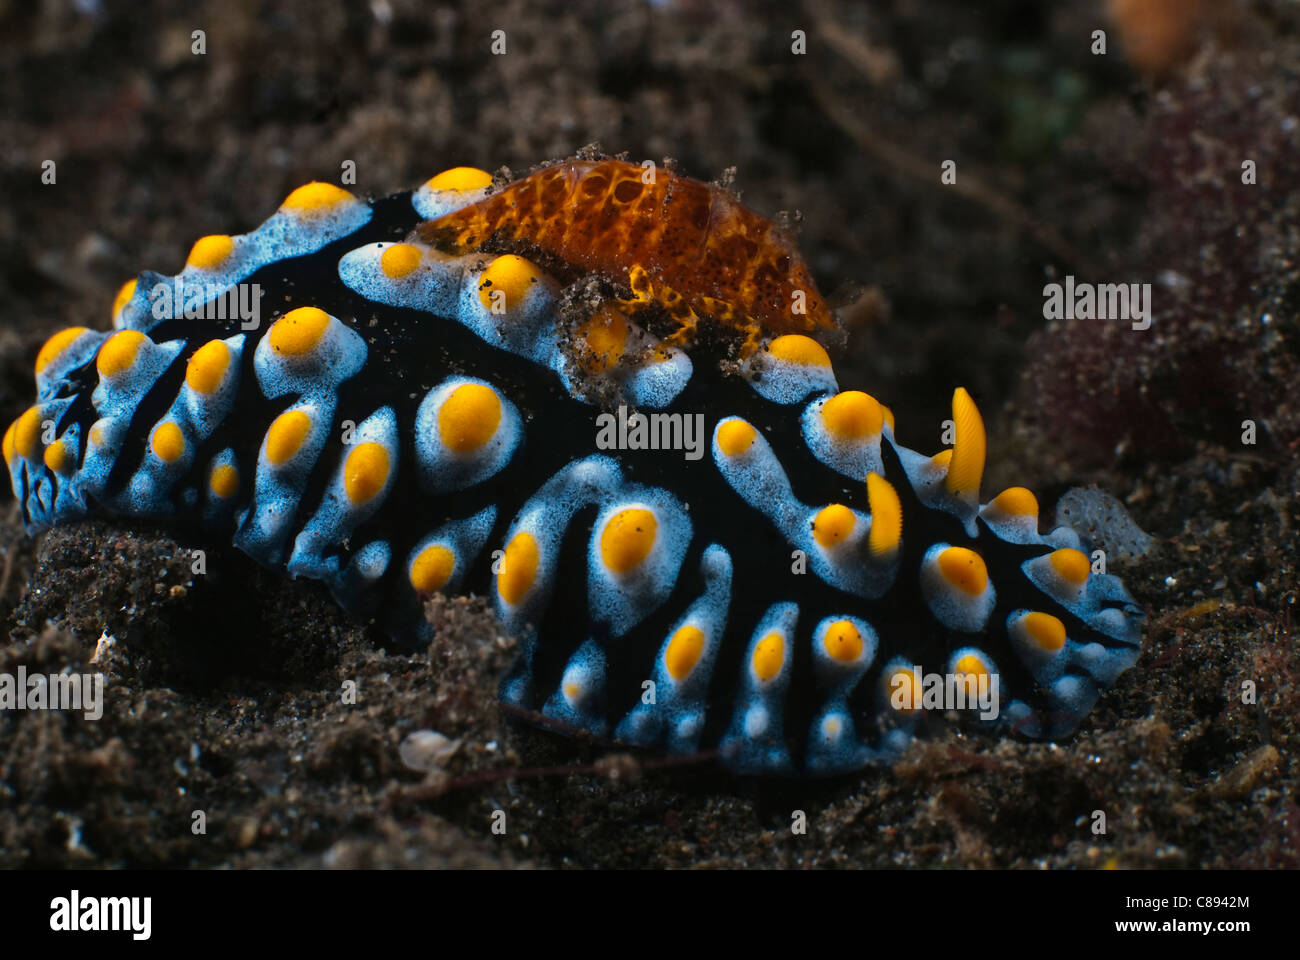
(735, 557)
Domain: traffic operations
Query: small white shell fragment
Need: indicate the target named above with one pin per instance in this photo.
(426, 750)
(103, 647)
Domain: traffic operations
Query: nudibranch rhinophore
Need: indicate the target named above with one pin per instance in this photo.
(736, 556)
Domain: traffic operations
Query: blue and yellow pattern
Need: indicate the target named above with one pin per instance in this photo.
(407, 421)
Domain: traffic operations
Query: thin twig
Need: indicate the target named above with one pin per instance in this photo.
(968, 185)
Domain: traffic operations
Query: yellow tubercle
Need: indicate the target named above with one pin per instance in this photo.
(224, 481)
(460, 179)
(55, 346)
(1045, 630)
(210, 252)
(1071, 565)
(298, 331)
(797, 348)
(505, 282)
(964, 569)
(769, 656)
(365, 471)
(168, 442)
(469, 417)
(59, 458)
(605, 337)
(627, 539)
(432, 568)
(124, 295)
(843, 642)
(399, 260)
(966, 468)
(735, 437)
(518, 568)
(286, 436)
(315, 197)
(207, 367)
(886, 516)
(971, 665)
(684, 651)
(853, 415)
(10, 453)
(1017, 501)
(118, 353)
(833, 524)
(27, 433)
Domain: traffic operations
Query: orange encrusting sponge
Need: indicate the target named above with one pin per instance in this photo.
(700, 253)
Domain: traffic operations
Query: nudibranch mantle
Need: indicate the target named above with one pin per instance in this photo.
(419, 415)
